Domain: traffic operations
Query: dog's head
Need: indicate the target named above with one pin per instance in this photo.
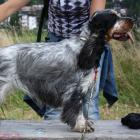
(111, 24)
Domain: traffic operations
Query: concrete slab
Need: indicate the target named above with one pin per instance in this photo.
(55, 130)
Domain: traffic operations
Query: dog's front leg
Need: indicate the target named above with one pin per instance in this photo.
(72, 114)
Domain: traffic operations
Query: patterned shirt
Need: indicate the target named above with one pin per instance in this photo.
(66, 17)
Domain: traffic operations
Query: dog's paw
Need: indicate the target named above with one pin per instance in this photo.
(89, 126)
(83, 125)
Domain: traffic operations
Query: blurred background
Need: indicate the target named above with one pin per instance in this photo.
(23, 26)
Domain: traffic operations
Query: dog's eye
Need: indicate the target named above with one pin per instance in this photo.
(115, 13)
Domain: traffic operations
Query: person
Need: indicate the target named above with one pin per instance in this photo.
(65, 19)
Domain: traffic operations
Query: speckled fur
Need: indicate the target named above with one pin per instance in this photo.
(58, 74)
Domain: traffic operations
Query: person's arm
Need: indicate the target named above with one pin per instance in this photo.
(10, 7)
(97, 5)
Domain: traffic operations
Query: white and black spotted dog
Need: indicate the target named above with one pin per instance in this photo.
(61, 74)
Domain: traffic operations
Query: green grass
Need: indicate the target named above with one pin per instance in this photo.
(11, 36)
(127, 69)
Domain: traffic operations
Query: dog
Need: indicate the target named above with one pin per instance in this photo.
(61, 74)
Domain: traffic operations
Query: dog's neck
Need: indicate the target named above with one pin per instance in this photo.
(85, 33)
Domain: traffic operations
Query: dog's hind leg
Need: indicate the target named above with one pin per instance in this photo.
(72, 113)
(4, 90)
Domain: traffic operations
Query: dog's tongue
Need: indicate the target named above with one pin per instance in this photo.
(123, 36)
(130, 37)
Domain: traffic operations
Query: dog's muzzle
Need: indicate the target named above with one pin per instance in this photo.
(121, 30)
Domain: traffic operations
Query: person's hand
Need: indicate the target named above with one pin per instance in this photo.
(11, 6)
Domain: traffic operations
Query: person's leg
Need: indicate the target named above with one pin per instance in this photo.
(91, 108)
(108, 82)
(51, 113)
(94, 105)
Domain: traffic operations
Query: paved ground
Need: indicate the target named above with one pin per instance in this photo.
(55, 130)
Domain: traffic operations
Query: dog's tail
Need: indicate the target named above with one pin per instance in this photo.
(5, 90)
(7, 71)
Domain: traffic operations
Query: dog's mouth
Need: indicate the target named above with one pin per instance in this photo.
(121, 30)
(122, 36)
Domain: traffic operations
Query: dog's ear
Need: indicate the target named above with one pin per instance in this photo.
(102, 20)
(91, 52)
